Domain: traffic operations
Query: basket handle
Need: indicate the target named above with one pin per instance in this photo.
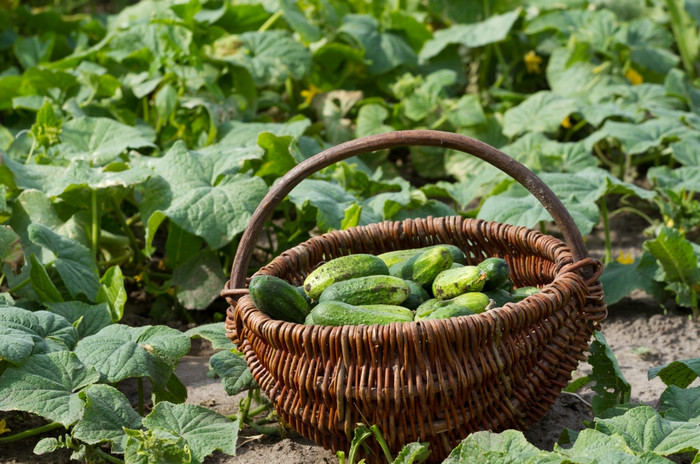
(332, 155)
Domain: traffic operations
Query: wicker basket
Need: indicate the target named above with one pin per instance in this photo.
(434, 381)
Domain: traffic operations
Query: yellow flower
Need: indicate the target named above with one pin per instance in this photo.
(138, 278)
(532, 62)
(670, 222)
(3, 427)
(634, 77)
(566, 122)
(309, 94)
(625, 258)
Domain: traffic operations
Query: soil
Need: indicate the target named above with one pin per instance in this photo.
(641, 333)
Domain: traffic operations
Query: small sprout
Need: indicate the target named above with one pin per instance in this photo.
(643, 353)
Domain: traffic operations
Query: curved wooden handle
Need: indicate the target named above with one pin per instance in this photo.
(332, 155)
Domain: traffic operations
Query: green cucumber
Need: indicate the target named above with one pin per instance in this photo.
(278, 298)
(379, 289)
(426, 265)
(453, 282)
(392, 309)
(499, 296)
(342, 268)
(398, 256)
(497, 272)
(427, 307)
(464, 304)
(337, 313)
(416, 296)
(521, 293)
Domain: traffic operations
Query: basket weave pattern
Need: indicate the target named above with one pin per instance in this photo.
(433, 380)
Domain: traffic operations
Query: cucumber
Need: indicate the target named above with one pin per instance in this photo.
(497, 272)
(464, 304)
(309, 320)
(379, 289)
(499, 296)
(453, 282)
(342, 268)
(425, 266)
(416, 296)
(337, 313)
(278, 298)
(521, 293)
(392, 309)
(398, 256)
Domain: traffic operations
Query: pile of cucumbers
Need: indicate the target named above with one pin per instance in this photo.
(398, 286)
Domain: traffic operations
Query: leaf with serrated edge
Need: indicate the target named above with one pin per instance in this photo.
(233, 370)
(202, 429)
(90, 318)
(680, 404)
(106, 412)
(214, 332)
(509, 447)
(119, 352)
(46, 385)
(611, 387)
(680, 373)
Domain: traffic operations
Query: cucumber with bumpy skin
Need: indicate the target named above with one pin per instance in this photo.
(392, 309)
(337, 313)
(497, 272)
(398, 256)
(368, 290)
(425, 266)
(499, 296)
(453, 282)
(278, 298)
(464, 304)
(342, 268)
(416, 296)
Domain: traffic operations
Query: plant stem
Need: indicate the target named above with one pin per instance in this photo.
(31, 152)
(107, 457)
(133, 219)
(142, 408)
(606, 227)
(95, 223)
(356, 442)
(31, 432)
(19, 285)
(382, 442)
(121, 219)
(630, 209)
(270, 21)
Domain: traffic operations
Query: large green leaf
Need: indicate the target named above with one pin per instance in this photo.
(491, 30)
(46, 385)
(593, 446)
(99, 140)
(619, 280)
(611, 387)
(215, 332)
(686, 178)
(509, 447)
(199, 280)
(638, 138)
(88, 319)
(680, 373)
(680, 404)
(48, 331)
(541, 112)
(270, 56)
(644, 430)
(384, 51)
(119, 352)
(10, 248)
(74, 262)
(201, 193)
(107, 412)
(202, 429)
(233, 370)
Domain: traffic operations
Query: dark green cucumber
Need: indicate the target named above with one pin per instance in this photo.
(416, 296)
(499, 296)
(427, 307)
(342, 268)
(521, 293)
(453, 282)
(377, 289)
(398, 256)
(426, 265)
(278, 298)
(464, 304)
(392, 309)
(497, 272)
(337, 313)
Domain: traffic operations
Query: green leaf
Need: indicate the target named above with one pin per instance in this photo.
(215, 332)
(684, 151)
(384, 51)
(47, 127)
(271, 56)
(233, 370)
(107, 412)
(467, 112)
(180, 246)
(643, 429)
(678, 262)
(46, 385)
(88, 319)
(42, 284)
(199, 280)
(413, 453)
(592, 446)
(677, 85)
(150, 447)
(619, 280)
(277, 160)
(99, 140)
(16, 345)
(638, 138)
(166, 102)
(74, 262)
(543, 111)
(298, 22)
(370, 120)
(48, 331)
(491, 30)
(679, 373)
(685, 178)
(203, 430)
(119, 352)
(680, 404)
(10, 249)
(611, 387)
(112, 292)
(508, 447)
(175, 391)
(686, 34)
(201, 193)
(352, 216)
(30, 51)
